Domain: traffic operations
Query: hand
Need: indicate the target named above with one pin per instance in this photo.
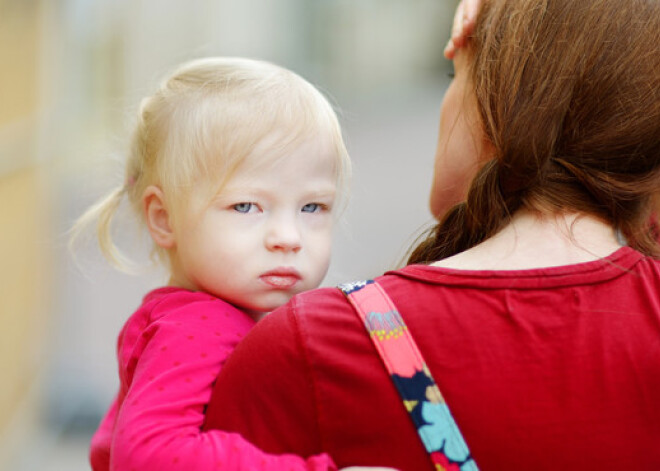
(464, 20)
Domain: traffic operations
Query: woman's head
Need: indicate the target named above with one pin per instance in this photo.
(568, 96)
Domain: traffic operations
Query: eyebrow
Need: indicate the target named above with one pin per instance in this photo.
(321, 192)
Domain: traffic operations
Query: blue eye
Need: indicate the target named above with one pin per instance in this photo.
(243, 207)
(312, 208)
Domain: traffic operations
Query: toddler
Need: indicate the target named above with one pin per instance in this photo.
(235, 168)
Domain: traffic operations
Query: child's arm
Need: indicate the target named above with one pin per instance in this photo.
(171, 367)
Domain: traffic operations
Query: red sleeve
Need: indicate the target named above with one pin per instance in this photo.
(267, 380)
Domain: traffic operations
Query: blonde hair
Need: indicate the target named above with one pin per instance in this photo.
(204, 120)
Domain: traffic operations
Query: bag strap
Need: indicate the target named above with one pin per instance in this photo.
(421, 397)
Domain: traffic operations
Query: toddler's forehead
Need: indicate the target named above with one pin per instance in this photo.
(282, 152)
(284, 145)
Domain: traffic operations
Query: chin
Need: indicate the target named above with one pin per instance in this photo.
(277, 300)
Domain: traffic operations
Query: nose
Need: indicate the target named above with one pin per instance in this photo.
(283, 235)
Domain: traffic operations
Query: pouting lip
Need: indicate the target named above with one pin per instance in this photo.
(283, 271)
(281, 278)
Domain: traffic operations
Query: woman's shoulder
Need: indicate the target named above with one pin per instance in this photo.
(624, 262)
(309, 307)
(332, 300)
(317, 297)
(321, 308)
(328, 308)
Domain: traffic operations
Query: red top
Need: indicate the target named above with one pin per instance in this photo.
(554, 368)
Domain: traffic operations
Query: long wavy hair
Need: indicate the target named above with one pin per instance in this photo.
(569, 96)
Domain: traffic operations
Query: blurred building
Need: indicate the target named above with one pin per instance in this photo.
(73, 72)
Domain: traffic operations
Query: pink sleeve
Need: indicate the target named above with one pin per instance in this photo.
(99, 455)
(171, 372)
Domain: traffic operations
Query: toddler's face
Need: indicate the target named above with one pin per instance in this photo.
(267, 235)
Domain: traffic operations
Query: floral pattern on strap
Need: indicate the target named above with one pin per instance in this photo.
(421, 397)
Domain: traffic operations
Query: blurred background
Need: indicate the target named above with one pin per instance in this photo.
(73, 72)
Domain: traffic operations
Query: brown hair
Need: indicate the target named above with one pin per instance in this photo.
(569, 96)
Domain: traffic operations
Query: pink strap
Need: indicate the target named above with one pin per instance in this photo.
(407, 369)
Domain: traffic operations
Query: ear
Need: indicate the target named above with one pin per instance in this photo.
(157, 217)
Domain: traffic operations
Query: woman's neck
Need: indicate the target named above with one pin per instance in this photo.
(533, 240)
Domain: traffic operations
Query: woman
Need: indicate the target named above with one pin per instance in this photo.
(535, 301)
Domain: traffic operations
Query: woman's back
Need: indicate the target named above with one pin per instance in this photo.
(554, 368)
(552, 119)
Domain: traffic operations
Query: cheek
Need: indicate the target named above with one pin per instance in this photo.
(323, 247)
(320, 252)
(456, 138)
(318, 228)
(457, 156)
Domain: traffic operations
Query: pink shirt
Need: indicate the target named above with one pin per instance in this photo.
(169, 352)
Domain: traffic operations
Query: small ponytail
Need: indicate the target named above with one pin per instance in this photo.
(102, 214)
